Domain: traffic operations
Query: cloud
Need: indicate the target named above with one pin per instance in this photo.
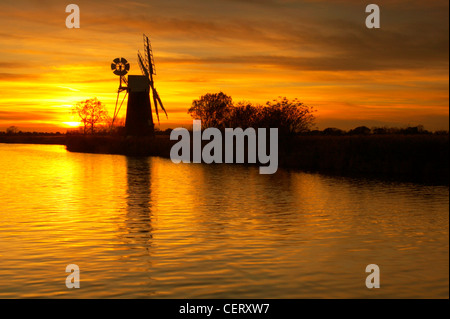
(35, 115)
(15, 65)
(340, 62)
(292, 30)
(9, 77)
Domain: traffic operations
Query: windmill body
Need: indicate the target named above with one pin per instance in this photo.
(139, 120)
(139, 117)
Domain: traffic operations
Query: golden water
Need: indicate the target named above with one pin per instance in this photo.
(147, 228)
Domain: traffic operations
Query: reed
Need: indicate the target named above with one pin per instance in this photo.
(421, 158)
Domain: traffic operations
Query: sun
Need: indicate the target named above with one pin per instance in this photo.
(72, 124)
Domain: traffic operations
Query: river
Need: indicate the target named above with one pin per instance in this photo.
(148, 228)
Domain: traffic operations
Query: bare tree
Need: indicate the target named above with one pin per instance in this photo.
(12, 130)
(91, 113)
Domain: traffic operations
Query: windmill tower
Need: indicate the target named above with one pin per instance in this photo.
(139, 117)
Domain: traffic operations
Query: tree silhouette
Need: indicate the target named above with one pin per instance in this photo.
(211, 109)
(244, 115)
(360, 130)
(12, 130)
(289, 116)
(91, 113)
(333, 131)
(217, 110)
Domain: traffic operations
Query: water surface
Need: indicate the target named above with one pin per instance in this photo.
(148, 228)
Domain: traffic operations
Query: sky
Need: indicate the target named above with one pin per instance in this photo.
(320, 52)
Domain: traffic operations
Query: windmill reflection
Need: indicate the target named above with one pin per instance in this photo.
(138, 218)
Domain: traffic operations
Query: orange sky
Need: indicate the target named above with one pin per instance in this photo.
(317, 51)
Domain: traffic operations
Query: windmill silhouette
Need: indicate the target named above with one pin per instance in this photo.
(139, 117)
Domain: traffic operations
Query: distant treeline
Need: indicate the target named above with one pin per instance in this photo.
(50, 138)
(331, 131)
(364, 130)
(360, 130)
(20, 133)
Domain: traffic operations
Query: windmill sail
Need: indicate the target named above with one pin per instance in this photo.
(143, 65)
(160, 103)
(147, 65)
(149, 55)
(156, 104)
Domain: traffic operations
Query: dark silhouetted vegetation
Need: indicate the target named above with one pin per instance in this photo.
(364, 130)
(218, 110)
(407, 154)
(12, 130)
(212, 110)
(20, 137)
(160, 145)
(407, 157)
(91, 112)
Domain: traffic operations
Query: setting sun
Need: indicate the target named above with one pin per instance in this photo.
(72, 124)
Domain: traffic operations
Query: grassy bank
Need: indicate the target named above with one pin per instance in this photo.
(418, 158)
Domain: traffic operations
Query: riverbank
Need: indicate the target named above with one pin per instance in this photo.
(419, 158)
(34, 139)
(416, 158)
(130, 146)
